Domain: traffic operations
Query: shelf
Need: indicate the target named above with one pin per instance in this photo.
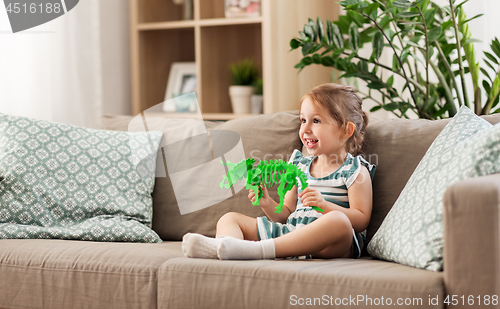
(217, 54)
(158, 50)
(205, 116)
(230, 21)
(181, 24)
(148, 11)
(160, 37)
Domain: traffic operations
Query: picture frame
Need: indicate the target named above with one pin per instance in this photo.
(182, 79)
(242, 8)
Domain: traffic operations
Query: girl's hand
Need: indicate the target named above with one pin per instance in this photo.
(311, 197)
(264, 200)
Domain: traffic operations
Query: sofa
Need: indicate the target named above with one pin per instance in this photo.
(52, 273)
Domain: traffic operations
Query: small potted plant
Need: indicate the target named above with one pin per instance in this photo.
(257, 97)
(244, 74)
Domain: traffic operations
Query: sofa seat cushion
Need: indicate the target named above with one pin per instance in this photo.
(203, 283)
(76, 274)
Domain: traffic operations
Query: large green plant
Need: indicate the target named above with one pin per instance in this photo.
(421, 36)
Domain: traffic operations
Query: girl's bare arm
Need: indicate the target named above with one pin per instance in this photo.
(269, 205)
(360, 201)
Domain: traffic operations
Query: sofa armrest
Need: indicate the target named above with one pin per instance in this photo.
(472, 239)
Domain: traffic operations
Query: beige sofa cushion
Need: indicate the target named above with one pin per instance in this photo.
(77, 274)
(396, 146)
(203, 283)
(270, 136)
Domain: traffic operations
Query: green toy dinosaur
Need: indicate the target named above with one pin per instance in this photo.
(267, 173)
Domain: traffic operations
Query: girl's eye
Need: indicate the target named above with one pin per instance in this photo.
(302, 120)
(316, 120)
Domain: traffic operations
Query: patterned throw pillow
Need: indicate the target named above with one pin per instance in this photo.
(67, 182)
(412, 232)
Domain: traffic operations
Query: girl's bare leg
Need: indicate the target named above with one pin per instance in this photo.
(243, 242)
(238, 226)
(231, 224)
(329, 236)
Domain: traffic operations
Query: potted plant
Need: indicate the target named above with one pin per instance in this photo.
(244, 74)
(257, 97)
(421, 37)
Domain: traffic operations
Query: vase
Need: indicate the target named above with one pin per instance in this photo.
(257, 103)
(241, 98)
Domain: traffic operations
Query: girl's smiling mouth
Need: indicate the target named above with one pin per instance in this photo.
(310, 143)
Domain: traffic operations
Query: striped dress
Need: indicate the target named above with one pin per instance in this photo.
(333, 188)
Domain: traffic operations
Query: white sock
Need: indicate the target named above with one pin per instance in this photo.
(199, 246)
(231, 248)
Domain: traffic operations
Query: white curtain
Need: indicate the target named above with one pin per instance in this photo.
(71, 69)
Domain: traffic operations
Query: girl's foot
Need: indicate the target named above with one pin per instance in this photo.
(199, 246)
(231, 248)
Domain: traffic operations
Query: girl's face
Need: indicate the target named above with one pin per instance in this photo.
(319, 132)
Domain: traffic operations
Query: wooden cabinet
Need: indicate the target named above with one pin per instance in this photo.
(160, 37)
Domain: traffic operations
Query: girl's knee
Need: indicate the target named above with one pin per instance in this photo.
(231, 217)
(228, 217)
(233, 221)
(337, 216)
(340, 221)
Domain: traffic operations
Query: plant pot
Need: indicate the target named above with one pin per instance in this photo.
(257, 103)
(241, 98)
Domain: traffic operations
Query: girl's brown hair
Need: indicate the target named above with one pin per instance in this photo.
(344, 106)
